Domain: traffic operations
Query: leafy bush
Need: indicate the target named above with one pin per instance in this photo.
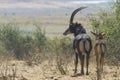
(61, 50)
(40, 38)
(14, 42)
(110, 24)
(36, 47)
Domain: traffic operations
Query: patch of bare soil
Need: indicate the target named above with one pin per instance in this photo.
(48, 71)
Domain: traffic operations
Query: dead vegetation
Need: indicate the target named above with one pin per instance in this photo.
(52, 68)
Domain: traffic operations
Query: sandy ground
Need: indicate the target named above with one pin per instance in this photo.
(47, 71)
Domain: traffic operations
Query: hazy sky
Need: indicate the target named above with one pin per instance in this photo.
(40, 4)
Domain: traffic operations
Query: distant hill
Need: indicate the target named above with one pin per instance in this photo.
(41, 12)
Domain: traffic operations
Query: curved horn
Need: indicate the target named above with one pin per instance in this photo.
(74, 12)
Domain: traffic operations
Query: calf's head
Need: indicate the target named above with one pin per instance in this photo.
(98, 35)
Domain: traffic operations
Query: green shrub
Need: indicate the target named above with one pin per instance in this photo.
(14, 42)
(25, 46)
(110, 24)
(40, 38)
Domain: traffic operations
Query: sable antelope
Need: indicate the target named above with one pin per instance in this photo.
(82, 43)
(100, 50)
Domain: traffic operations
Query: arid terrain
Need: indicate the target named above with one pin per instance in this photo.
(32, 45)
(47, 71)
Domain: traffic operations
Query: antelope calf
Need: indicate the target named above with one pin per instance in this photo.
(82, 42)
(100, 50)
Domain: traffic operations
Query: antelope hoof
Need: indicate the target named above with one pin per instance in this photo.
(82, 73)
(87, 73)
(74, 75)
(75, 71)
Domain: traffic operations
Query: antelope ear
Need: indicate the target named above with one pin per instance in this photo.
(76, 22)
(71, 24)
(103, 34)
(94, 33)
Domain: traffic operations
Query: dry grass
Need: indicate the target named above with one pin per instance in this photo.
(52, 67)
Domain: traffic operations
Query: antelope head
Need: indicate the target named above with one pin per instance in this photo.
(74, 27)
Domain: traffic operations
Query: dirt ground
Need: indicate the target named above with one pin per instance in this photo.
(47, 71)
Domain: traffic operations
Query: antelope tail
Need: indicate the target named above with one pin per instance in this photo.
(103, 47)
(87, 45)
